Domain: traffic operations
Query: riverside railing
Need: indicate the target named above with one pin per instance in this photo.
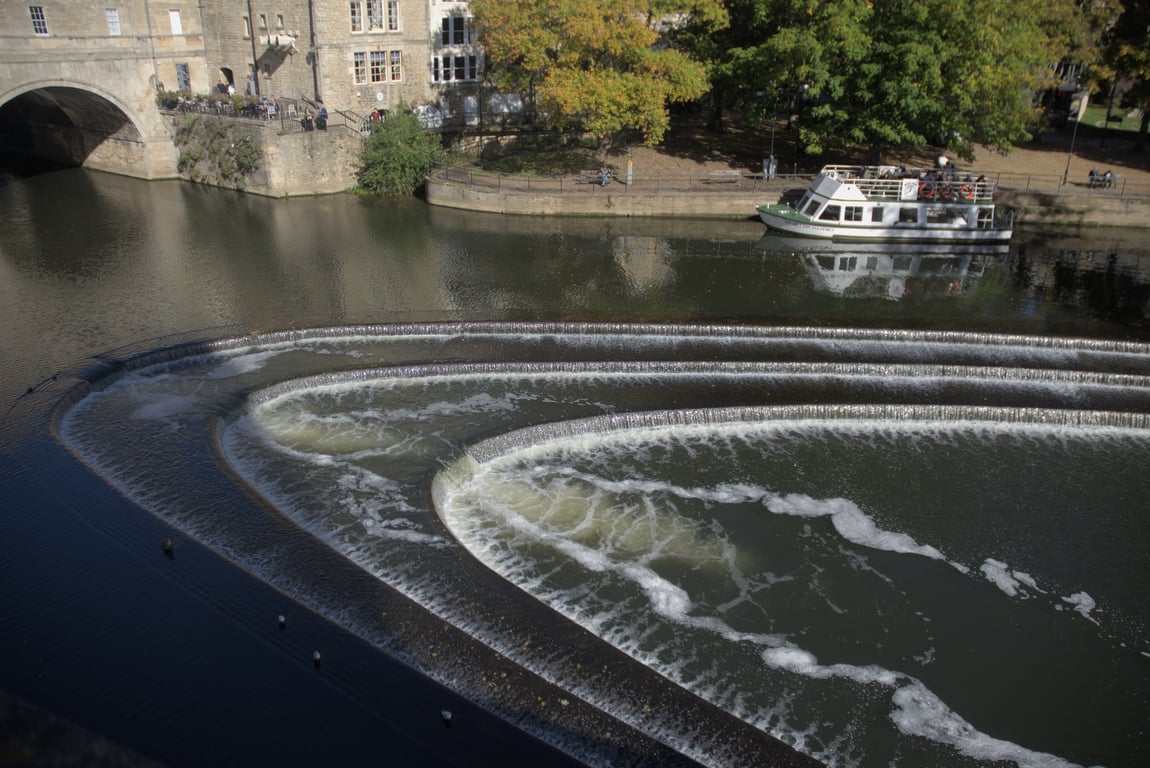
(734, 181)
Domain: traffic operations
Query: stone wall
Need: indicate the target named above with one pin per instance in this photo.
(1076, 210)
(1030, 208)
(615, 201)
(292, 163)
(310, 163)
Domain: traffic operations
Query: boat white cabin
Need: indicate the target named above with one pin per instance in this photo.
(884, 203)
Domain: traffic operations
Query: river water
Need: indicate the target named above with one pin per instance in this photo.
(887, 508)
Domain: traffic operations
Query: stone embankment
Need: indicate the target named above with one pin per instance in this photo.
(731, 194)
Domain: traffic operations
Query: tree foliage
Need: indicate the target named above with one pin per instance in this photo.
(899, 72)
(397, 155)
(600, 65)
(1127, 57)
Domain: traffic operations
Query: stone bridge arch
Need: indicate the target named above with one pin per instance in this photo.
(77, 122)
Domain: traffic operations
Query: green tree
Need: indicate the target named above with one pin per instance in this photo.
(1127, 56)
(397, 155)
(600, 65)
(899, 72)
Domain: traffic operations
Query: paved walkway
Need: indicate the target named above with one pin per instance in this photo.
(697, 151)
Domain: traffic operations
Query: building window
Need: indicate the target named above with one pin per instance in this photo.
(177, 25)
(247, 27)
(374, 15)
(279, 21)
(263, 22)
(446, 69)
(359, 67)
(392, 15)
(183, 78)
(378, 66)
(356, 16)
(456, 31)
(39, 21)
(396, 65)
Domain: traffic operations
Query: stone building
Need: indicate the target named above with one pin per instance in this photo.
(79, 78)
(166, 39)
(354, 55)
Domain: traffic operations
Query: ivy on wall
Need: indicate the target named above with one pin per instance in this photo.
(216, 151)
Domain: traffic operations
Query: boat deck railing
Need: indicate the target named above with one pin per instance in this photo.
(889, 183)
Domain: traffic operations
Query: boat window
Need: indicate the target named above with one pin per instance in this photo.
(872, 263)
(848, 263)
(908, 215)
(811, 208)
(830, 213)
(853, 213)
(902, 263)
(876, 213)
(825, 262)
(942, 216)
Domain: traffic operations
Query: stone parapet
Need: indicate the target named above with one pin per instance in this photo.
(1076, 210)
(700, 200)
(593, 200)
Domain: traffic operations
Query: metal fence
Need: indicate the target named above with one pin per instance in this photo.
(589, 182)
(287, 115)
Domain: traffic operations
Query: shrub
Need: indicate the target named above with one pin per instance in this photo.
(217, 150)
(397, 155)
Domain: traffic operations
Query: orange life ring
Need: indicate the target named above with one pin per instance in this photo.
(926, 190)
(967, 191)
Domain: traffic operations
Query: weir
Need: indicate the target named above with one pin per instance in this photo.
(822, 467)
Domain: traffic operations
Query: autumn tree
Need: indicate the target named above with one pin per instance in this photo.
(600, 65)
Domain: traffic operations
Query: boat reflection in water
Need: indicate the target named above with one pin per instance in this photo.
(890, 270)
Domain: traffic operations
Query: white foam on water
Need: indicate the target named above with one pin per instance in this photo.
(916, 711)
(157, 408)
(850, 521)
(998, 573)
(801, 662)
(1083, 604)
(241, 364)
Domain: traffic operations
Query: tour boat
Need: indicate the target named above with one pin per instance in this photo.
(884, 203)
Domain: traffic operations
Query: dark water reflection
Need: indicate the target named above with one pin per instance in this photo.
(93, 627)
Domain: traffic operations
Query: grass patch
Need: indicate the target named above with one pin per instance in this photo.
(540, 155)
(1096, 115)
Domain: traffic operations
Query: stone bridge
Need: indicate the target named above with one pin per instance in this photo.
(79, 102)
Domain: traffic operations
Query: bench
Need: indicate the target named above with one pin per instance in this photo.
(595, 177)
(1100, 181)
(723, 177)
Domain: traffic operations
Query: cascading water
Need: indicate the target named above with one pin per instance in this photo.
(880, 547)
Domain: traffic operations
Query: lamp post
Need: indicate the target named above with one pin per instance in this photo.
(1073, 137)
(772, 165)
